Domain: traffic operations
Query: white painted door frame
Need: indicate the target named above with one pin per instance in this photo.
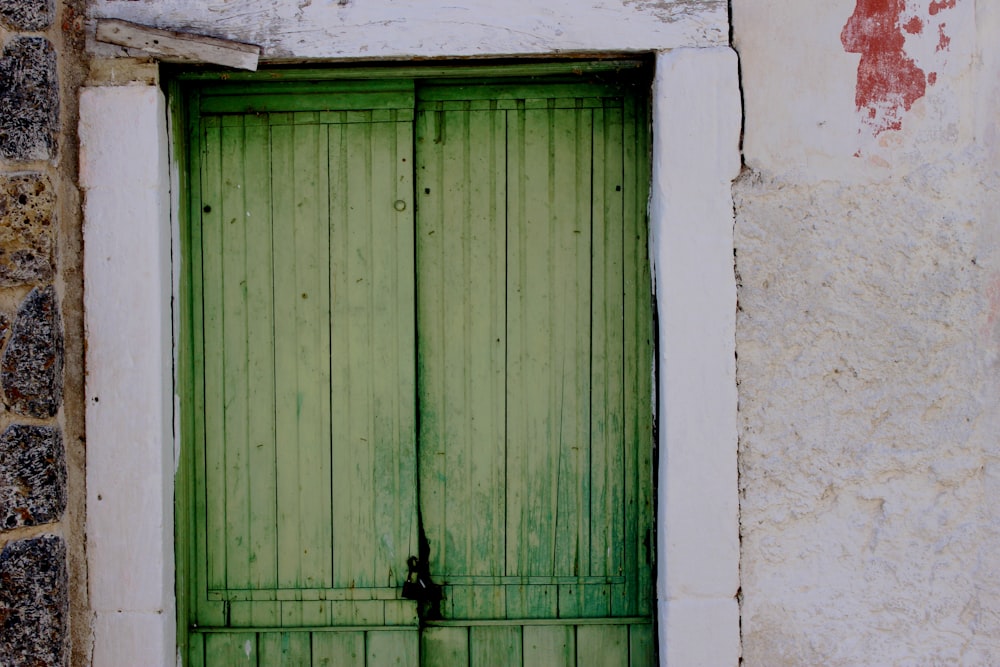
(130, 283)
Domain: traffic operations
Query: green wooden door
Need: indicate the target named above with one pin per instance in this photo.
(418, 322)
(534, 373)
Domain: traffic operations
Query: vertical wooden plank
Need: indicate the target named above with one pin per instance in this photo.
(477, 601)
(404, 494)
(344, 442)
(361, 332)
(315, 612)
(532, 601)
(495, 646)
(291, 614)
(600, 444)
(641, 645)
(393, 648)
(585, 600)
(185, 142)
(208, 501)
(602, 645)
(351, 359)
(639, 350)
(444, 647)
(613, 316)
(430, 260)
(301, 293)
(373, 353)
(516, 462)
(549, 646)
(400, 612)
(285, 334)
(196, 650)
(607, 438)
(235, 383)
(231, 649)
(213, 482)
(461, 302)
(284, 649)
(625, 600)
(262, 518)
(596, 601)
(338, 649)
(572, 146)
(549, 332)
(571, 600)
(312, 297)
(393, 355)
(256, 613)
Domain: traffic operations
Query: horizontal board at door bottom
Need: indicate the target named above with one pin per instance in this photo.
(304, 629)
(294, 594)
(608, 645)
(358, 648)
(624, 620)
(539, 646)
(296, 614)
(634, 620)
(523, 581)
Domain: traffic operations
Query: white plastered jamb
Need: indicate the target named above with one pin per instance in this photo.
(130, 409)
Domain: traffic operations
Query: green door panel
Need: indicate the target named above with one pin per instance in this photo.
(533, 482)
(416, 320)
(309, 420)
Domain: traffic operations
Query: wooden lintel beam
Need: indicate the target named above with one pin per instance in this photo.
(178, 46)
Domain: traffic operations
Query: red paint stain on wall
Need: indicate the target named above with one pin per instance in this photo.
(938, 5)
(944, 41)
(914, 26)
(889, 82)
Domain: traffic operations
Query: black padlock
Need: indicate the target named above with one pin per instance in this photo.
(412, 586)
(418, 584)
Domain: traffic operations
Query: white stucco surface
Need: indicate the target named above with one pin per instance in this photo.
(867, 342)
(326, 29)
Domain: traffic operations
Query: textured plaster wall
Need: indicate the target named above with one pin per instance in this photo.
(868, 329)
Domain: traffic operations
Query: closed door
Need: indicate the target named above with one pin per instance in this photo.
(419, 325)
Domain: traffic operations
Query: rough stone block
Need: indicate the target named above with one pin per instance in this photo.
(27, 210)
(29, 100)
(31, 367)
(4, 329)
(33, 603)
(27, 14)
(32, 476)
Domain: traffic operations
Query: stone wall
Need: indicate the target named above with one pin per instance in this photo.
(37, 255)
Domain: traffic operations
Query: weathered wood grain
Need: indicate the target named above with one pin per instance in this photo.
(178, 46)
